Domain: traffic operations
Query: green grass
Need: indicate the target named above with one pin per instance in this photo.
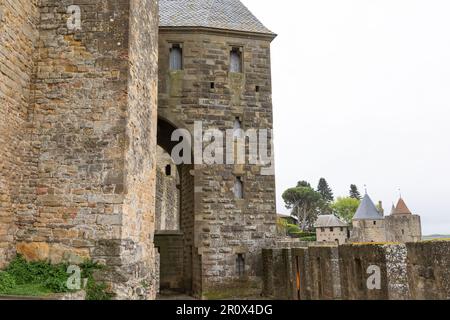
(29, 290)
(40, 278)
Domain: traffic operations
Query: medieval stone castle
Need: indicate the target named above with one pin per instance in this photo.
(90, 95)
(370, 225)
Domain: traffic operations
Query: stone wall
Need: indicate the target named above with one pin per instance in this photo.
(338, 235)
(428, 268)
(403, 228)
(351, 272)
(171, 247)
(18, 37)
(79, 176)
(205, 91)
(167, 193)
(368, 231)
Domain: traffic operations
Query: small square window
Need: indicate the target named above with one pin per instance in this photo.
(331, 229)
(374, 223)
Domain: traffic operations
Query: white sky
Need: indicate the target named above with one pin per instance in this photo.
(361, 92)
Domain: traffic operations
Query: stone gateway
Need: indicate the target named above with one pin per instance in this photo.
(89, 90)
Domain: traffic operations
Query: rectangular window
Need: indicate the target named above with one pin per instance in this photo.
(238, 188)
(240, 265)
(236, 60)
(331, 229)
(176, 57)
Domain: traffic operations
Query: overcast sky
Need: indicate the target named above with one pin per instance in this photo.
(361, 93)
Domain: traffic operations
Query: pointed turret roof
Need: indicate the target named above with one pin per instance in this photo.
(401, 208)
(393, 209)
(367, 210)
(217, 14)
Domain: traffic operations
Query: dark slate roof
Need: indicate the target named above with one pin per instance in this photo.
(218, 14)
(367, 210)
(326, 221)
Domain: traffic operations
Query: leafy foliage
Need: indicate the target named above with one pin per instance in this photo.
(305, 203)
(7, 282)
(345, 208)
(42, 278)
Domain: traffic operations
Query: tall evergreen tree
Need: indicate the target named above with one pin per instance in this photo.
(324, 189)
(354, 193)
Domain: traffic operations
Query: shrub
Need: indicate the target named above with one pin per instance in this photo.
(40, 278)
(7, 281)
(309, 239)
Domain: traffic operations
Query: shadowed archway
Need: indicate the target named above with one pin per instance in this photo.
(175, 240)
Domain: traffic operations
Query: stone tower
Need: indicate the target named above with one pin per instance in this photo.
(368, 223)
(78, 117)
(215, 70)
(402, 225)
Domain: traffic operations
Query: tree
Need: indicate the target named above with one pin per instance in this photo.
(324, 189)
(345, 208)
(303, 184)
(305, 203)
(354, 193)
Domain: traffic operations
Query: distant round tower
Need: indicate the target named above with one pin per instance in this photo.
(368, 223)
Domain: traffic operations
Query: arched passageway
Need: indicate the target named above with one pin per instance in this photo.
(174, 234)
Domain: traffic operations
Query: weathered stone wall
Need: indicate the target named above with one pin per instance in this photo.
(205, 91)
(277, 274)
(138, 222)
(18, 37)
(92, 127)
(351, 272)
(338, 235)
(428, 268)
(354, 261)
(167, 193)
(403, 228)
(368, 231)
(171, 247)
(397, 273)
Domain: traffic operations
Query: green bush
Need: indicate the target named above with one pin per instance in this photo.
(309, 239)
(303, 234)
(41, 278)
(7, 281)
(51, 277)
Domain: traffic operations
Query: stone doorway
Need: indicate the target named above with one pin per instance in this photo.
(174, 222)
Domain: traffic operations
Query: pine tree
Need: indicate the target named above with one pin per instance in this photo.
(324, 189)
(354, 193)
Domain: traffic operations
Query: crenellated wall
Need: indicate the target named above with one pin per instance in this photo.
(359, 272)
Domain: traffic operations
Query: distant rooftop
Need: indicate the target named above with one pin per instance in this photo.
(327, 221)
(401, 208)
(218, 14)
(367, 210)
